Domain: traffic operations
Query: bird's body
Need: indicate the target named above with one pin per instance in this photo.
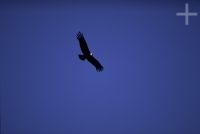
(86, 54)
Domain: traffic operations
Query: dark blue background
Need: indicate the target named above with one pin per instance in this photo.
(151, 81)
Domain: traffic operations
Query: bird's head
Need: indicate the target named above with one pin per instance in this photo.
(91, 54)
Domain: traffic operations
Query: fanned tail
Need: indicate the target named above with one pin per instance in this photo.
(81, 57)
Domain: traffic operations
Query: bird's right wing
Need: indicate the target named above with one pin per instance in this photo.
(83, 44)
(96, 63)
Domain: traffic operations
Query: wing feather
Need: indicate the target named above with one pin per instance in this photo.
(96, 63)
(83, 44)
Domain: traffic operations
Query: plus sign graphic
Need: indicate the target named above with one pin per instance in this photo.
(186, 14)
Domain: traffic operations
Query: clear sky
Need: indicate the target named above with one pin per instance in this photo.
(151, 78)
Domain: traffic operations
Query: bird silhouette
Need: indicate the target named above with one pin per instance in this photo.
(86, 54)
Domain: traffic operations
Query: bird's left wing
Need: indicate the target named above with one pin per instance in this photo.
(83, 44)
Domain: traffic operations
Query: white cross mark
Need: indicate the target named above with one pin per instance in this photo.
(186, 14)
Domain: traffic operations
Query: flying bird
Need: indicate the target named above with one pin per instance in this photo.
(86, 54)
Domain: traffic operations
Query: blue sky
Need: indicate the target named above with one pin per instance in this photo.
(151, 80)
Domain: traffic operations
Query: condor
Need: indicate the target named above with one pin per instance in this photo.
(86, 54)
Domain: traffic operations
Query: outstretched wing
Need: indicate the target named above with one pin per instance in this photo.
(83, 44)
(96, 63)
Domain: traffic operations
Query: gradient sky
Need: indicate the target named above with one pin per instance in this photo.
(151, 80)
